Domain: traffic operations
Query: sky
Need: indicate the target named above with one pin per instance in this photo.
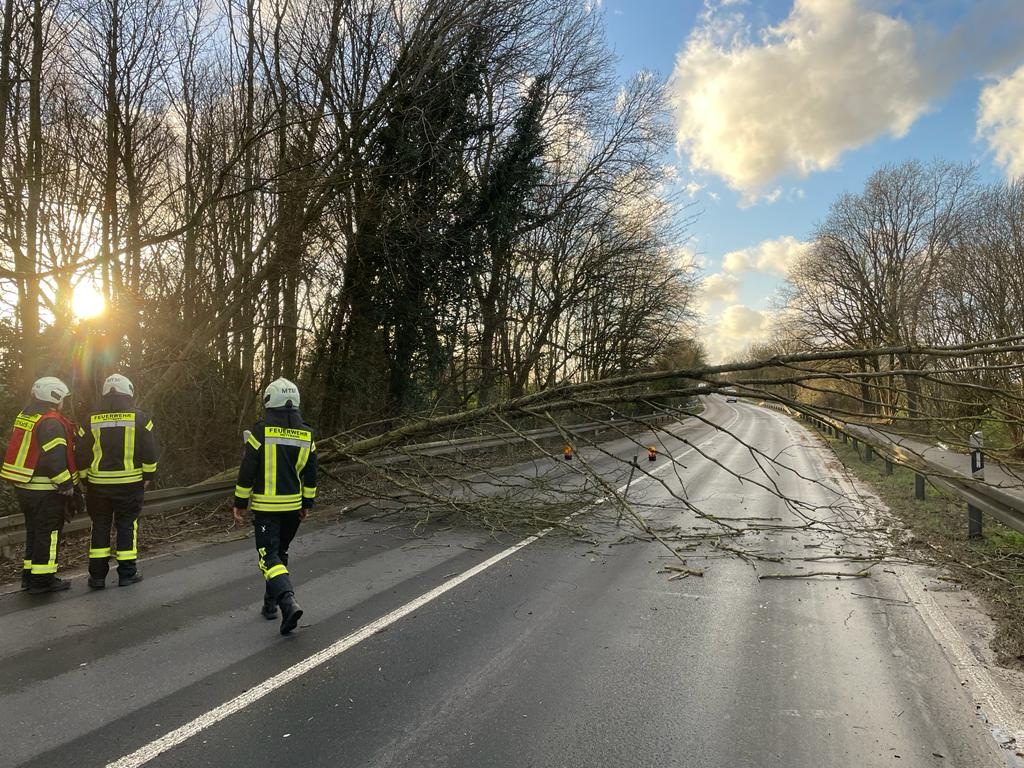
(780, 106)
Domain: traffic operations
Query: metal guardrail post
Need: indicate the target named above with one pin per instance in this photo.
(844, 438)
(978, 473)
(869, 453)
(919, 487)
(888, 467)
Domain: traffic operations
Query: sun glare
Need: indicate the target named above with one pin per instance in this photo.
(87, 301)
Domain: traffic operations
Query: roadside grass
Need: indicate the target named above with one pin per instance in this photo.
(992, 567)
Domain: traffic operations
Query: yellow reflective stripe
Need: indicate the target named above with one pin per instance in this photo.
(102, 479)
(54, 443)
(263, 506)
(26, 441)
(26, 565)
(37, 484)
(309, 493)
(51, 566)
(312, 447)
(243, 493)
(270, 463)
(137, 472)
(61, 477)
(17, 474)
(262, 552)
(303, 458)
(129, 448)
(266, 498)
(149, 467)
(103, 552)
(131, 554)
(251, 440)
(149, 426)
(274, 571)
(97, 449)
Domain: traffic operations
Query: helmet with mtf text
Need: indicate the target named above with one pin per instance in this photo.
(281, 394)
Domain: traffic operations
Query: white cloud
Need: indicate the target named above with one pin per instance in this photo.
(834, 75)
(740, 322)
(774, 256)
(720, 287)
(728, 334)
(1001, 121)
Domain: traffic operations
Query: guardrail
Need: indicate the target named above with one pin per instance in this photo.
(169, 499)
(981, 497)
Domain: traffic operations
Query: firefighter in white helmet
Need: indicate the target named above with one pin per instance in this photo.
(277, 480)
(117, 453)
(40, 462)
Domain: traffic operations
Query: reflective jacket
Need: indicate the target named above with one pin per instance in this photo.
(278, 472)
(117, 446)
(41, 452)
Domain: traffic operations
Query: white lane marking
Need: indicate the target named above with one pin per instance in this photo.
(1000, 711)
(174, 738)
(998, 708)
(156, 748)
(179, 735)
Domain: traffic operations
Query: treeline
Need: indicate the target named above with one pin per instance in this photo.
(406, 206)
(924, 255)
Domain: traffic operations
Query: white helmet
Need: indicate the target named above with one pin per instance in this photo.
(50, 389)
(118, 385)
(280, 394)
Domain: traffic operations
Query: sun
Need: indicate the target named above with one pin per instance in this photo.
(87, 302)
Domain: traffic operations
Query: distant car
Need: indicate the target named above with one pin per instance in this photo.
(731, 399)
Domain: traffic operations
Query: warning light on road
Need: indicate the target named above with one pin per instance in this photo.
(652, 453)
(567, 452)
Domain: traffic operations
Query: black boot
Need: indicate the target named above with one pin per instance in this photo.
(129, 579)
(40, 585)
(290, 612)
(95, 582)
(26, 578)
(269, 609)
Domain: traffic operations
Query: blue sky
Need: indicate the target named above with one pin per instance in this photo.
(781, 105)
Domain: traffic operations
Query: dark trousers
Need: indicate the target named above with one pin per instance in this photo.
(44, 521)
(118, 507)
(274, 533)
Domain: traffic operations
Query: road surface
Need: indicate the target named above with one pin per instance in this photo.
(547, 652)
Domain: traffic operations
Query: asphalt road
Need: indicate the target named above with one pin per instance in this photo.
(560, 652)
(1008, 479)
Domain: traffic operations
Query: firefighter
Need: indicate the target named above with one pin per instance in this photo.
(40, 462)
(117, 455)
(277, 480)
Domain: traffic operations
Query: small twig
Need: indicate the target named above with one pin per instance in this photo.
(838, 574)
(886, 599)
